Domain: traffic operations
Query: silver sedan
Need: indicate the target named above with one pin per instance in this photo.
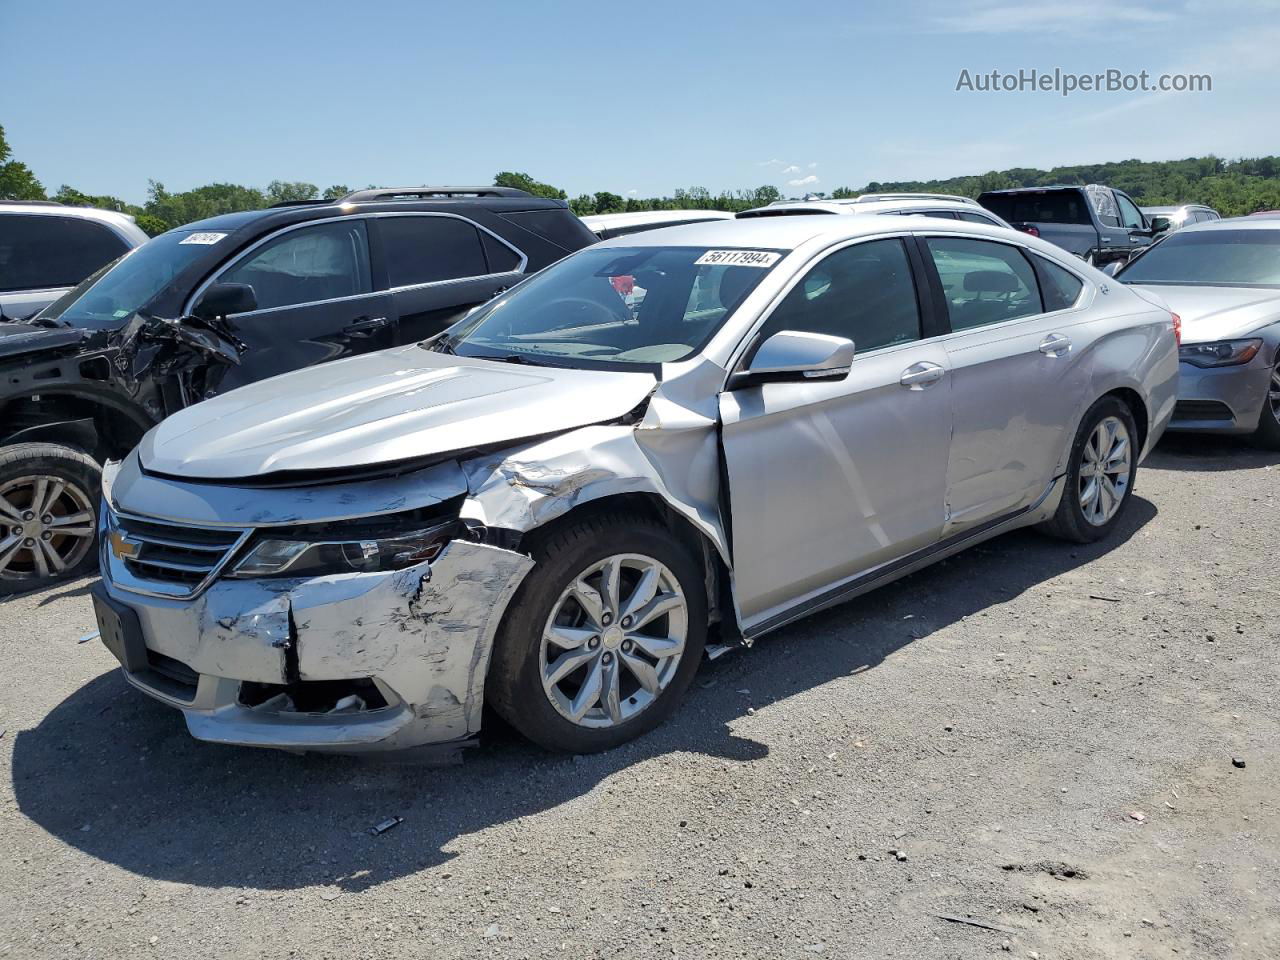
(665, 445)
(1223, 281)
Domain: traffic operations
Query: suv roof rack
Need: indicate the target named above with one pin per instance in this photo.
(303, 203)
(429, 193)
(33, 203)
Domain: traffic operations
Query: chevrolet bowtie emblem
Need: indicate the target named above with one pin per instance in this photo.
(122, 548)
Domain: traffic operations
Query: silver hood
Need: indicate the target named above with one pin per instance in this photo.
(382, 407)
(1217, 313)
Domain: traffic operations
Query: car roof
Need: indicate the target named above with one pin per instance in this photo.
(860, 206)
(605, 221)
(787, 233)
(1250, 222)
(300, 212)
(54, 209)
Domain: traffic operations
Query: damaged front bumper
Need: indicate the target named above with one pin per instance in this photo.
(344, 663)
(350, 663)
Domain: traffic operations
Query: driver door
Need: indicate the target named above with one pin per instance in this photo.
(831, 479)
(315, 301)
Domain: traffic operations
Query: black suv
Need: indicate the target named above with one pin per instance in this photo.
(226, 301)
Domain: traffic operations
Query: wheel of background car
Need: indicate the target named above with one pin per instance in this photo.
(604, 636)
(48, 519)
(1268, 432)
(1100, 474)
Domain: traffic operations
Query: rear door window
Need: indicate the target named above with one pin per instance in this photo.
(40, 252)
(1060, 287)
(307, 265)
(428, 249)
(984, 282)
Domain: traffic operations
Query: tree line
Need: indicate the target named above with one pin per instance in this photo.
(1232, 187)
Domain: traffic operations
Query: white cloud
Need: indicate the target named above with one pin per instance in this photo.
(772, 163)
(633, 193)
(1080, 16)
(791, 169)
(813, 165)
(803, 181)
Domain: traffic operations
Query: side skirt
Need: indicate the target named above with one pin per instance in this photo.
(896, 569)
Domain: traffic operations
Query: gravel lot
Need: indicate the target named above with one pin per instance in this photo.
(1045, 734)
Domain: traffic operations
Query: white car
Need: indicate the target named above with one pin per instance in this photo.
(919, 205)
(47, 248)
(609, 225)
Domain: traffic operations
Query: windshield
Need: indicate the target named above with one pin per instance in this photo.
(106, 300)
(608, 306)
(1230, 258)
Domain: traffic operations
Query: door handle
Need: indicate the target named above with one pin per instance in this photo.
(365, 326)
(1055, 345)
(921, 375)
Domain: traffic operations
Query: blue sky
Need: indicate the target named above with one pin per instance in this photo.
(645, 96)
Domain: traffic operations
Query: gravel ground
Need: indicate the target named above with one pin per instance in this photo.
(1045, 734)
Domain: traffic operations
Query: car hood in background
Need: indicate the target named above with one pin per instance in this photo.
(1217, 313)
(384, 407)
(19, 338)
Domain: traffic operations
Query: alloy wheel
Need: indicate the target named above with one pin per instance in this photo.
(614, 640)
(1273, 391)
(46, 527)
(1105, 466)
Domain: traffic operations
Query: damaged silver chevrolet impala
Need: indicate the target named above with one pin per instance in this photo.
(663, 445)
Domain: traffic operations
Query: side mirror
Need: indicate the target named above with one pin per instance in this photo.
(221, 299)
(791, 355)
(1112, 268)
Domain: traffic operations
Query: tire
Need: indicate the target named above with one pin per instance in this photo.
(1072, 521)
(1268, 433)
(522, 655)
(69, 483)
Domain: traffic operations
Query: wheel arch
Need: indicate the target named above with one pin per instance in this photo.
(100, 426)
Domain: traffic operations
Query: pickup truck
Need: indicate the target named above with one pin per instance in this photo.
(1099, 224)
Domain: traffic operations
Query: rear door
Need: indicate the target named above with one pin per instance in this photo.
(438, 266)
(316, 300)
(829, 479)
(1015, 375)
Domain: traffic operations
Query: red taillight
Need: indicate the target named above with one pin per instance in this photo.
(1034, 231)
(1177, 328)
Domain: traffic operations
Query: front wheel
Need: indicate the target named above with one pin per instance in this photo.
(1100, 474)
(48, 497)
(1268, 432)
(603, 637)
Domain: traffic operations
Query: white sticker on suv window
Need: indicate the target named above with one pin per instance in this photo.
(739, 258)
(204, 238)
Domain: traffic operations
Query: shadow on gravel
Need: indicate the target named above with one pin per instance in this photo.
(115, 775)
(1207, 453)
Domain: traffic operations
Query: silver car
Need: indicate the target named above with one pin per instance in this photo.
(662, 446)
(1223, 280)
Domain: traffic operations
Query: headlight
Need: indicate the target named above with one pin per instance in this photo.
(1222, 353)
(311, 558)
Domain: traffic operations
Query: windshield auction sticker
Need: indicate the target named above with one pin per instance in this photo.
(203, 238)
(739, 258)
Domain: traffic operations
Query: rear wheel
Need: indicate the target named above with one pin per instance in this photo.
(1100, 473)
(1268, 432)
(48, 514)
(604, 636)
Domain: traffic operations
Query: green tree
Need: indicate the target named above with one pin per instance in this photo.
(281, 191)
(336, 192)
(606, 202)
(17, 182)
(522, 181)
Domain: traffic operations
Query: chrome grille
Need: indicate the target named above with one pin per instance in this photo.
(166, 559)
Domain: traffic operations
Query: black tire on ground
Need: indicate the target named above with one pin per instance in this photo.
(1268, 433)
(67, 465)
(514, 684)
(1068, 522)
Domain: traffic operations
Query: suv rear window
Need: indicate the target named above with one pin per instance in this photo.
(1053, 206)
(39, 252)
(428, 249)
(555, 226)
